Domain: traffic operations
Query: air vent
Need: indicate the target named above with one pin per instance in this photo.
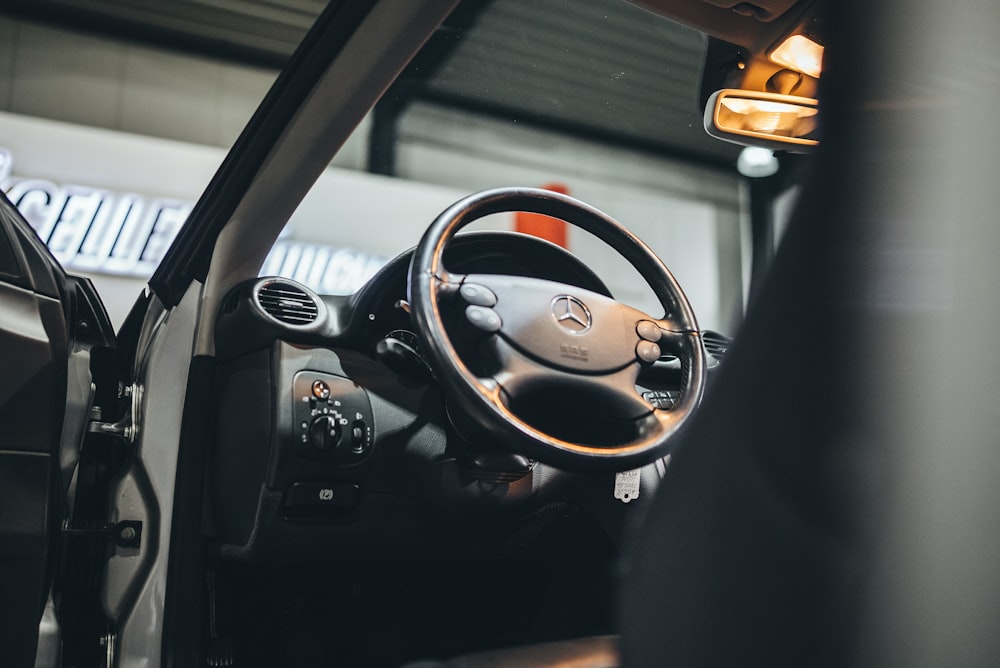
(715, 344)
(287, 303)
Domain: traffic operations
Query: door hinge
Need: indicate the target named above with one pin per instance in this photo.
(127, 533)
(122, 429)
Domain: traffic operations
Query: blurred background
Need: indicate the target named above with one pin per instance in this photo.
(114, 114)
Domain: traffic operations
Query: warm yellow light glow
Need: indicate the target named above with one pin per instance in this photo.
(772, 116)
(800, 53)
(746, 106)
(766, 116)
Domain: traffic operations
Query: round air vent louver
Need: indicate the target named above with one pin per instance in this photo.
(716, 344)
(287, 302)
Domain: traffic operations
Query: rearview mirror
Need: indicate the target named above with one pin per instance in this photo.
(771, 120)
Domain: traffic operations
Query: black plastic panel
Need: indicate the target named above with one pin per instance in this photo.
(26, 481)
(242, 443)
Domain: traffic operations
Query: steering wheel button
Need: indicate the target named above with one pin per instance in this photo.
(477, 295)
(648, 330)
(647, 351)
(483, 318)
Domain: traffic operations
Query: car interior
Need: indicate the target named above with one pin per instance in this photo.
(482, 458)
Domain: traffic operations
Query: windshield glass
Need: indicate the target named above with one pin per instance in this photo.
(597, 99)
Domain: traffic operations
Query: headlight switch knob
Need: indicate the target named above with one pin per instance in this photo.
(324, 433)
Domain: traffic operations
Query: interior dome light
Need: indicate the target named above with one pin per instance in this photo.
(765, 116)
(758, 118)
(800, 53)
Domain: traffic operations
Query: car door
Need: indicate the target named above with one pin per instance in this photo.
(51, 326)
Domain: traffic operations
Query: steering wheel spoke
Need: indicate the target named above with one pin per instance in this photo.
(446, 283)
(660, 424)
(675, 343)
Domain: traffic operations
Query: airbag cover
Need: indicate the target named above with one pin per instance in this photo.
(562, 326)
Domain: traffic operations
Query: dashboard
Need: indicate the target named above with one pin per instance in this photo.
(332, 436)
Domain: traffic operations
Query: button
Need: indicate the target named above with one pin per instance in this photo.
(663, 399)
(647, 351)
(319, 498)
(320, 389)
(648, 330)
(477, 294)
(359, 436)
(483, 318)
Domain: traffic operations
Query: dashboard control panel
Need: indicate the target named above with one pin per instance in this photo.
(332, 417)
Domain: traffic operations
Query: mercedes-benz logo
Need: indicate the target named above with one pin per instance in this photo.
(571, 314)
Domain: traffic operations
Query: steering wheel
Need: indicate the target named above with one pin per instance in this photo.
(546, 337)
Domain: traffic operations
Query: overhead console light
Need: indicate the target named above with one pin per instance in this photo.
(801, 54)
(771, 120)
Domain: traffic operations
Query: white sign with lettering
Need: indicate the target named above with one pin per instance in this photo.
(124, 234)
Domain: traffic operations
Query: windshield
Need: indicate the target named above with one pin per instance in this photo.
(597, 99)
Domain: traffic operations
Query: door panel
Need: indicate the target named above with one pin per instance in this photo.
(34, 344)
(25, 537)
(32, 355)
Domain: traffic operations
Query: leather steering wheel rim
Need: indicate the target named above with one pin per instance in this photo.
(482, 399)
